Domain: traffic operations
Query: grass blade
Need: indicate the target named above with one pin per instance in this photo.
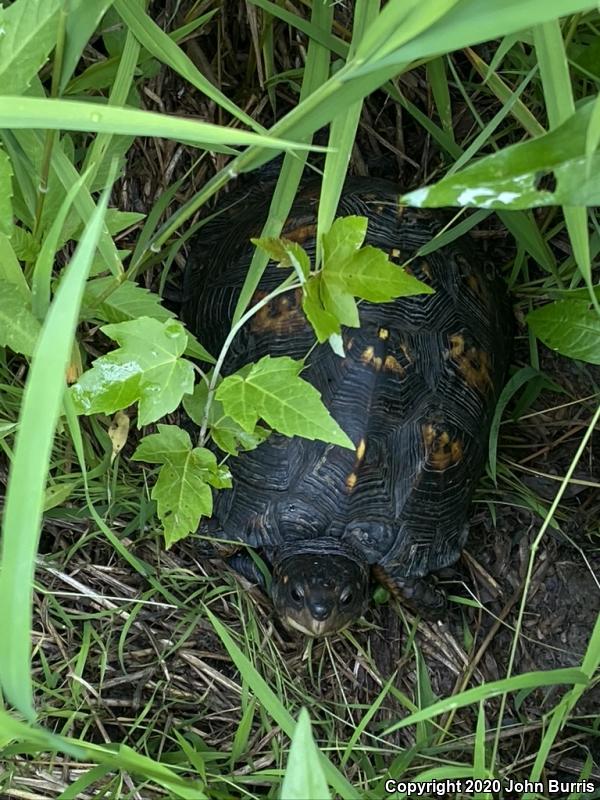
(273, 705)
(73, 115)
(25, 492)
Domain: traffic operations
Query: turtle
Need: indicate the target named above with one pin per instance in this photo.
(415, 391)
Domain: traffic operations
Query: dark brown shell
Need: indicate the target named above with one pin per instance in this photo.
(415, 392)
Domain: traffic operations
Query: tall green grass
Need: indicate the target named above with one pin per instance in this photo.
(54, 191)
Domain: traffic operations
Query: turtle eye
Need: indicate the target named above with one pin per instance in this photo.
(346, 596)
(297, 593)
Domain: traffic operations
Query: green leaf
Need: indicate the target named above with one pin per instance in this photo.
(569, 326)
(273, 390)
(511, 178)
(10, 269)
(340, 303)
(29, 30)
(147, 369)
(323, 321)
(364, 272)
(225, 432)
(344, 238)
(23, 244)
(304, 776)
(82, 20)
(370, 275)
(117, 221)
(126, 302)
(196, 350)
(19, 329)
(6, 193)
(182, 490)
(286, 253)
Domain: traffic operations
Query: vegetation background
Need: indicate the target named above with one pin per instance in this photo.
(153, 673)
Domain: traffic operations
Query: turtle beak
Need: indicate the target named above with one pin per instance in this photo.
(310, 626)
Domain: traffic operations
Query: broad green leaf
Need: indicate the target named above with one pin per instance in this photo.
(19, 329)
(225, 432)
(570, 327)
(324, 322)
(340, 303)
(23, 245)
(170, 444)
(29, 30)
(6, 193)
(511, 178)
(147, 369)
(343, 240)
(272, 390)
(364, 272)
(370, 275)
(182, 490)
(111, 302)
(125, 302)
(304, 776)
(10, 269)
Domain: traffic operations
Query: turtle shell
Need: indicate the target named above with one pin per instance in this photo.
(415, 391)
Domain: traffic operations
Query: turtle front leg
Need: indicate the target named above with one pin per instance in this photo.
(423, 595)
(243, 563)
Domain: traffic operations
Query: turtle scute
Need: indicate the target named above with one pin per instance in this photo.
(415, 391)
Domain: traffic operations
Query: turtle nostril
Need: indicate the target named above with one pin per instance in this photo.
(320, 611)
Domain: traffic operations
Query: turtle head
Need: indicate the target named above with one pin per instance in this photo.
(319, 586)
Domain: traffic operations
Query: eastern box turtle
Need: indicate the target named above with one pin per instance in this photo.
(415, 392)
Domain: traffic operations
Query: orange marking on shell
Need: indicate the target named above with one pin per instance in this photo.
(473, 364)
(474, 285)
(383, 333)
(368, 357)
(367, 354)
(360, 451)
(281, 315)
(392, 364)
(441, 451)
(351, 481)
(301, 234)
